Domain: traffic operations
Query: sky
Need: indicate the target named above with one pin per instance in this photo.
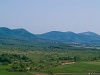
(40, 16)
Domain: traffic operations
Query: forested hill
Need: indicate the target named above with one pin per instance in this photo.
(11, 35)
(71, 37)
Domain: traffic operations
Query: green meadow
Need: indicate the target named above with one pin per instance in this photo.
(78, 67)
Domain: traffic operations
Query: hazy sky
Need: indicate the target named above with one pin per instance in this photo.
(39, 16)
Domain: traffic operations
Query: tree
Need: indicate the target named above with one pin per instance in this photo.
(77, 58)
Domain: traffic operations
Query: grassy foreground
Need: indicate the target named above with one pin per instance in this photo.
(78, 67)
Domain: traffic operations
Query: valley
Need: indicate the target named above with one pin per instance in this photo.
(23, 53)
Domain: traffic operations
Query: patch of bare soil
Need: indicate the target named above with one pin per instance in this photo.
(38, 73)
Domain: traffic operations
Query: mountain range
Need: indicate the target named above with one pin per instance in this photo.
(19, 35)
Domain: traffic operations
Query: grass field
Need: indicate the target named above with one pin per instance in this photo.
(78, 67)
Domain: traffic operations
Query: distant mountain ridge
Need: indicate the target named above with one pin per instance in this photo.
(70, 37)
(50, 37)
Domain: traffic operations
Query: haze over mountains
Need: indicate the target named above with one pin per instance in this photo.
(12, 35)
